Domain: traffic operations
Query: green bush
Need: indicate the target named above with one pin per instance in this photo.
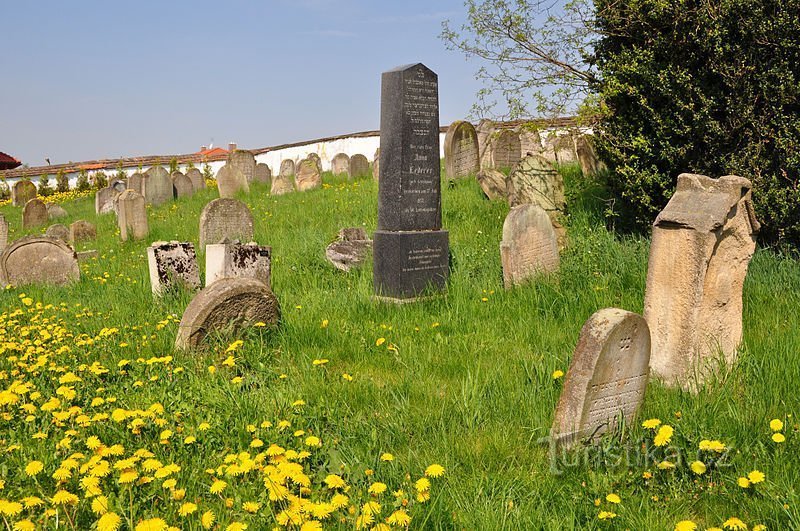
(62, 181)
(44, 189)
(701, 87)
(83, 184)
(99, 180)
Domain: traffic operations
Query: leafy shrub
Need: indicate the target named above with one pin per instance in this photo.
(44, 189)
(62, 182)
(83, 184)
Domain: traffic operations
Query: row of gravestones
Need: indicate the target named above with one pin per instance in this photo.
(156, 185)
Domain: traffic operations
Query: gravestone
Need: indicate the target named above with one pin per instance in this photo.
(317, 160)
(58, 231)
(359, 165)
(529, 246)
(263, 174)
(492, 182)
(22, 192)
(340, 164)
(225, 218)
(119, 185)
(701, 247)
(564, 147)
(376, 165)
(549, 149)
(282, 184)
(238, 260)
(607, 377)
(173, 265)
(308, 176)
(587, 156)
(287, 168)
(461, 150)
(530, 140)
(3, 232)
(196, 176)
(227, 305)
(157, 186)
(85, 256)
(484, 130)
(181, 185)
(350, 249)
(55, 211)
(536, 181)
(411, 251)
(245, 162)
(132, 216)
(231, 181)
(81, 231)
(38, 260)
(34, 214)
(135, 182)
(506, 149)
(104, 200)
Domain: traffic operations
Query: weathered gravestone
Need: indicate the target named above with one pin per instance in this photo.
(316, 158)
(376, 165)
(173, 265)
(530, 141)
(104, 200)
(196, 176)
(81, 231)
(38, 260)
(492, 182)
(350, 249)
(701, 247)
(607, 377)
(181, 185)
(287, 168)
(58, 231)
(411, 251)
(308, 176)
(230, 181)
(55, 211)
(536, 181)
(340, 164)
(3, 233)
(34, 214)
(135, 182)
(587, 156)
(238, 260)
(506, 149)
(461, 150)
(263, 174)
(227, 305)
(564, 147)
(157, 186)
(529, 246)
(484, 130)
(119, 185)
(225, 218)
(132, 216)
(22, 192)
(359, 165)
(245, 162)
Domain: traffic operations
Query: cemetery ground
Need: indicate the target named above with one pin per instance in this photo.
(99, 415)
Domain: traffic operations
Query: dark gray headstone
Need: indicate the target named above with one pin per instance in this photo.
(263, 174)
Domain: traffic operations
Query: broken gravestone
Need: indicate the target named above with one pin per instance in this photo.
(587, 156)
(22, 192)
(316, 158)
(492, 182)
(350, 249)
(227, 305)
(340, 164)
(173, 265)
(104, 200)
(131, 216)
(38, 260)
(3, 232)
(529, 246)
(81, 231)
(536, 181)
(607, 377)
(461, 150)
(308, 176)
(701, 247)
(34, 214)
(238, 260)
(287, 168)
(225, 218)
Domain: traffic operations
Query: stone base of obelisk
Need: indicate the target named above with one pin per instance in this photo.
(410, 265)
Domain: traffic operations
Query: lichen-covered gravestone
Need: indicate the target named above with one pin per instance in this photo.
(81, 231)
(308, 176)
(104, 200)
(350, 249)
(58, 231)
(38, 260)
(492, 182)
(263, 174)
(157, 186)
(340, 164)
(132, 216)
(506, 149)
(529, 246)
(607, 377)
(227, 305)
(231, 181)
(196, 176)
(225, 218)
(564, 147)
(701, 247)
(316, 158)
(245, 162)
(530, 140)
(22, 192)
(3, 232)
(56, 211)
(181, 185)
(287, 168)
(461, 150)
(359, 165)
(536, 181)
(238, 260)
(34, 214)
(135, 182)
(173, 265)
(587, 156)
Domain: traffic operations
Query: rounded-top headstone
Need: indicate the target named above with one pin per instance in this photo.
(39, 260)
(58, 231)
(225, 218)
(230, 181)
(228, 304)
(157, 186)
(56, 211)
(316, 158)
(461, 150)
(506, 149)
(287, 168)
(607, 377)
(308, 176)
(181, 185)
(135, 182)
(359, 165)
(340, 164)
(131, 215)
(245, 161)
(529, 246)
(82, 230)
(536, 181)
(22, 192)
(34, 214)
(263, 174)
(196, 176)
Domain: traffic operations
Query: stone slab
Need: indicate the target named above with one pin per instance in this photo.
(237, 260)
(172, 265)
(530, 245)
(410, 264)
(225, 218)
(38, 260)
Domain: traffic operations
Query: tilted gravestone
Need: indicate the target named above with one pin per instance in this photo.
(173, 265)
(287, 168)
(701, 247)
(536, 181)
(38, 260)
(587, 156)
(238, 260)
(308, 176)
(58, 231)
(245, 162)
(376, 165)
(227, 305)
(132, 216)
(461, 150)
(359, 165)
(3, 232)
(104, 200)
(181, 185)
(506, 149)
(607, 377)
(196, 176)
(231, 181)
(263, 174)
(530, 141)
(350, 249)
(225, 218)
(22, 192)
(492, 182)
(282, 184)
(81, 231)
(564, 146)
(411, 251)
(34, 214)
(157, 186)
(135, 182)
(55, 211)
(529, 246)
(317, 160)
(340, 164)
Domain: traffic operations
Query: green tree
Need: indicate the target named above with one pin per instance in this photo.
(62, 181)
(83, 185)
(44, 189)
(99, 180)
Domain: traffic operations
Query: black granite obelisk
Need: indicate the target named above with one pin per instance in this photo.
(410, 251)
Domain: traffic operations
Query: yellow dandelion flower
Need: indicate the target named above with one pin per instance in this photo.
(24, 525)
(377, 488)
(387, 457)
(651, 424)
(759, 527)
(380, 341)
(778, 438)
(33, 468)
(663, 436)
(207, 520)
(557, 374)
(236, 526)
(10, 508)
(743, 482)
(128, 476)
(32, 501)
(321, 361)
(685, 525)
(109, 522)
(422, 484)
(64, 497)
(100, 505)
(334, 482)
(152, 524)
(311, 525)
(756, 476)
(204, 426)
(313, 441)
(218, 486)
(665, 465)
(698, 467)
(251, 507)
(187, 509)
(606, 515)
(775, 425)
(347, 377)
(399, 518)
(734, 524)
(613, 498)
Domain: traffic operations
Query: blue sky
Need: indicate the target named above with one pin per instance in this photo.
(90, 79)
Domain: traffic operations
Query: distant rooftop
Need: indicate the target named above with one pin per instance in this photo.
(7, 162)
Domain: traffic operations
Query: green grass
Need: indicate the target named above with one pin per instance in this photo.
(469, 384)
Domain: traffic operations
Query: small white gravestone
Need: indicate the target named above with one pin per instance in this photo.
(172, 264)
(237, 260)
